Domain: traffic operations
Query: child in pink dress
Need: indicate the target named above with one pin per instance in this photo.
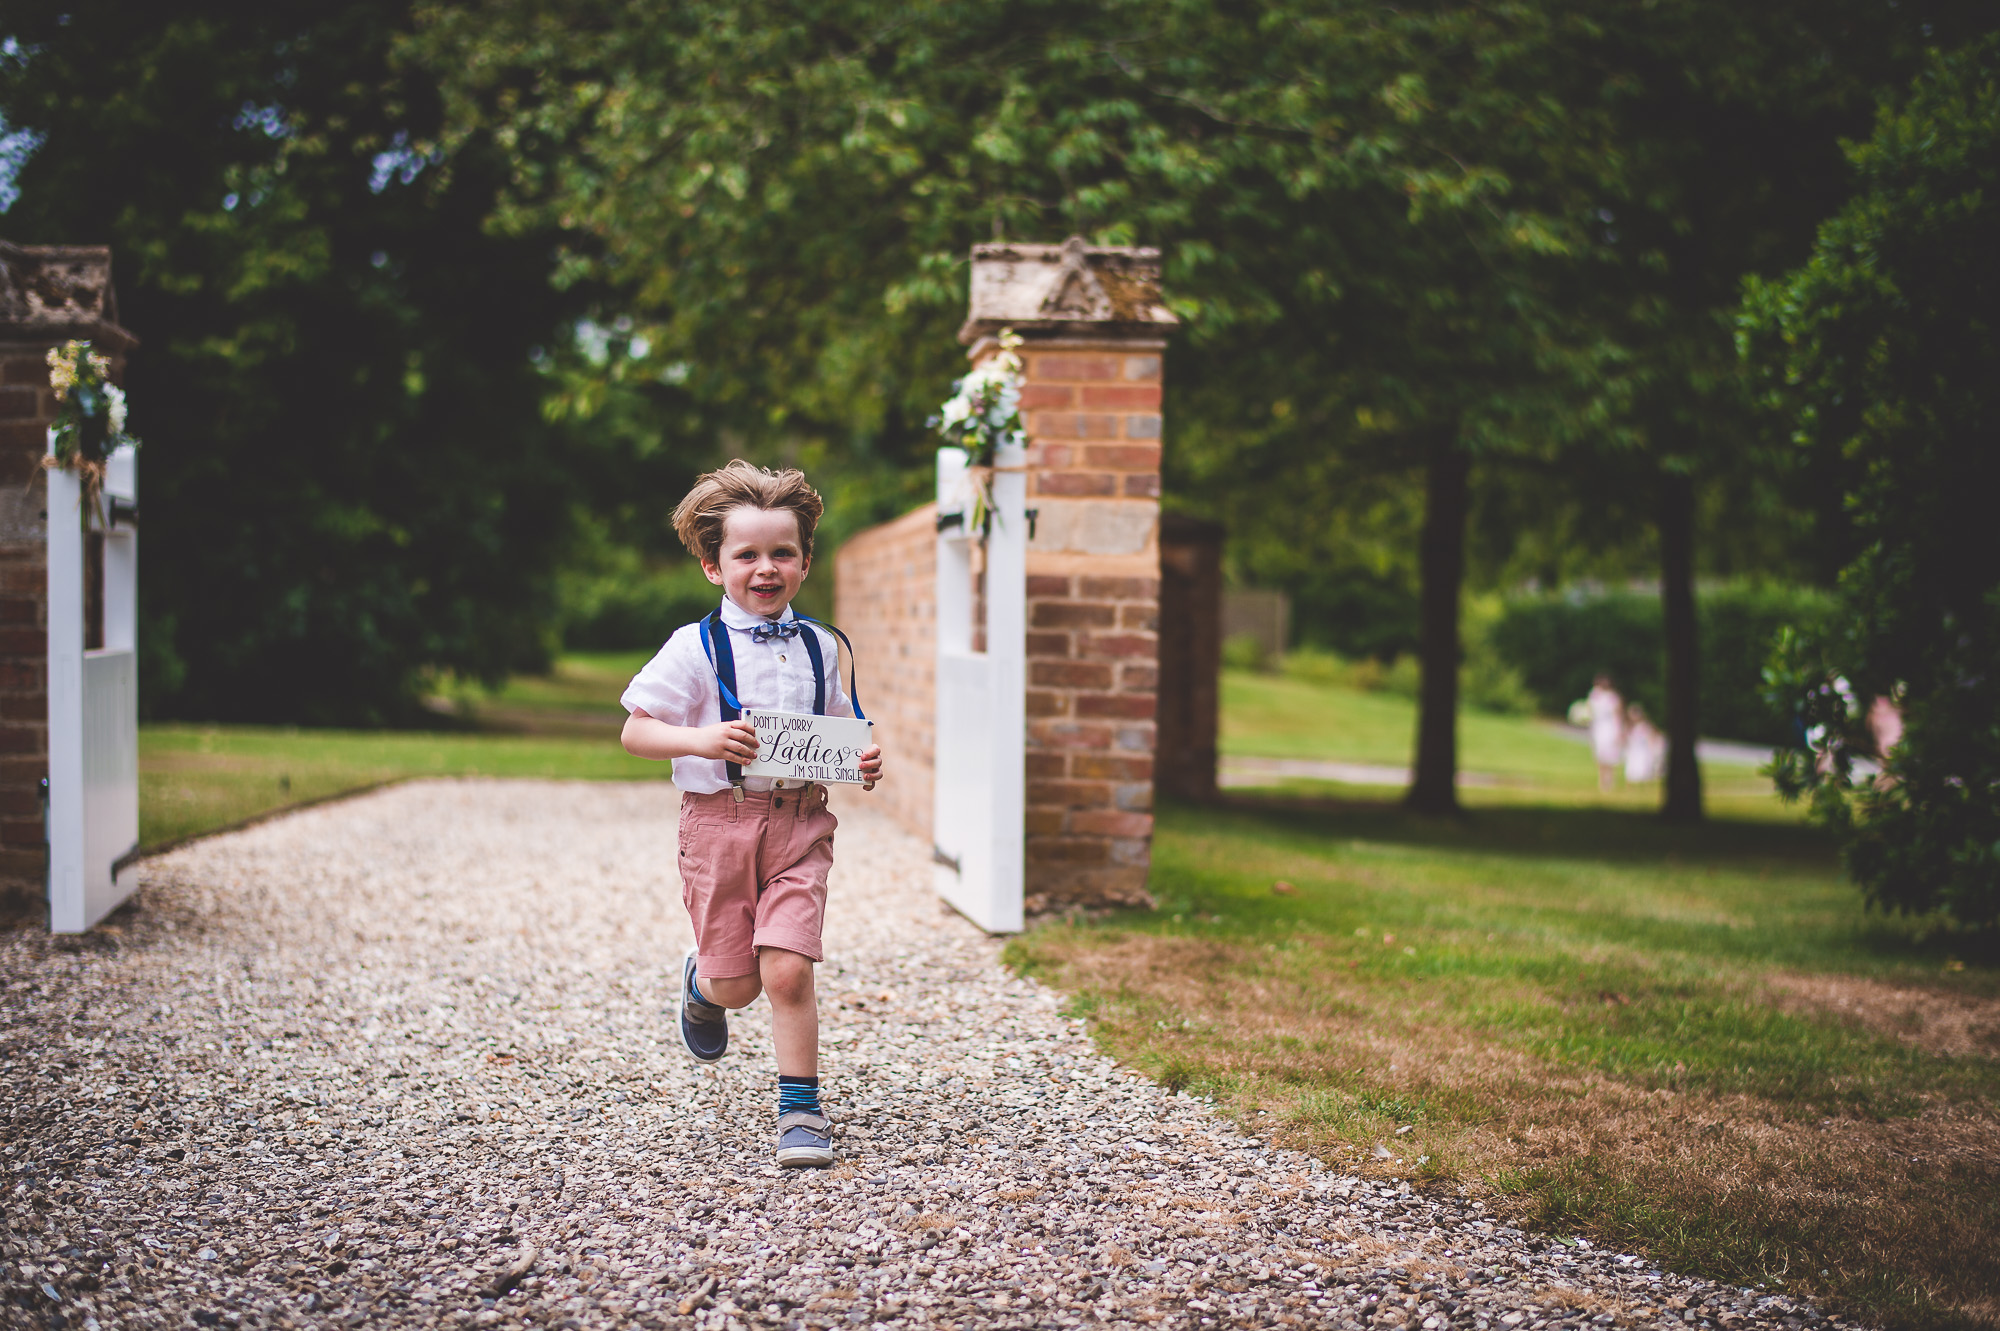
(754, 851)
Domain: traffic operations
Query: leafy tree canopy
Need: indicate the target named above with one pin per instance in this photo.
(1512, 231)
(348, 480)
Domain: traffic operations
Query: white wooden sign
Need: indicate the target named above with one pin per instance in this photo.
(798, 746)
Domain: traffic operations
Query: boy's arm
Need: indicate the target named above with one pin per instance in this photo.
(726, 741)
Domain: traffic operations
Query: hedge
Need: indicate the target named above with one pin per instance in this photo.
(1559, 643)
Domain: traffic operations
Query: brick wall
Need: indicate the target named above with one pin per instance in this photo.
(26, 408)
(1093, 327)
(1093, 641)
(1093, 415)
(885, 587)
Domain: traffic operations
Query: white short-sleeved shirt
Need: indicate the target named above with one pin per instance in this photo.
(678, 686)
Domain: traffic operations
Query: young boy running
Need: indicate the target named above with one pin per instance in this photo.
(754, 851)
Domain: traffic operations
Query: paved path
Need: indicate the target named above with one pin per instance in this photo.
(1235, 770)
(1241, 770)
(1728, 752)
(400, 1061)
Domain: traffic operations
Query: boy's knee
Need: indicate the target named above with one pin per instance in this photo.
(788, 976)
(734, 992)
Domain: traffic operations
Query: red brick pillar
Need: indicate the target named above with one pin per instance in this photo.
(1094, 330)
(49, 294)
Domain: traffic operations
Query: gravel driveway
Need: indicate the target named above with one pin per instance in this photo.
(402, 1061)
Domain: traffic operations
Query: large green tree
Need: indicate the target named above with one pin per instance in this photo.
(1882, 349)
(1728, 120)
(1413, 239)
(1626, 166)
(348, 479)
(782, 196)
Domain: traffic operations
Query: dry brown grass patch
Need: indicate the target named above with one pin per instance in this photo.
(1947, 1024)
(1899, 1212)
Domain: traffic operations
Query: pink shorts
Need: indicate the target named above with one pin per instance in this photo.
(753, 874)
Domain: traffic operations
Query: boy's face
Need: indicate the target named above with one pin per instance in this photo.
(762, 559)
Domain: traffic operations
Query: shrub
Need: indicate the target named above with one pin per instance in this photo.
(1559, 643)
(1485, 684)
(1367, 674)
(1739, 624)
(1245, 651)
(620, 602)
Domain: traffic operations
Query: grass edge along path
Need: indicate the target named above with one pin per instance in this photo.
(1618, 1030)
(196, 780)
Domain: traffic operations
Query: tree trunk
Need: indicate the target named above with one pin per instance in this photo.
(1682, 803)
(1442, 573)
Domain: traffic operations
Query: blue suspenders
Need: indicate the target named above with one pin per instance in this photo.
(722, 657)
(812, 650)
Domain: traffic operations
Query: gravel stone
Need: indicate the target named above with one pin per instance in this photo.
(407, 1060)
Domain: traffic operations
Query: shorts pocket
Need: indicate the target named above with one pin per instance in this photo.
(696, 838)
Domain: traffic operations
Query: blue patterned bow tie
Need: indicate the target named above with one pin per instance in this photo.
(784, 628)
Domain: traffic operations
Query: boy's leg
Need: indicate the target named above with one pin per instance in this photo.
(788, 979)
(805, 1136)
(790, 915)
(718, 871)
(734, 992)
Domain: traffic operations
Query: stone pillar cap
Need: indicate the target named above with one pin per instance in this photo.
(1072, 289)
(52, 293)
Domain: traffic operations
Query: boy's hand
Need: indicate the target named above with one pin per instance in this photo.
(728, 741)
(870, 759)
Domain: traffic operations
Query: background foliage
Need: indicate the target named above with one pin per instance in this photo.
(1558, 642)
(348, 480)
(1881, 351)
(446, 302)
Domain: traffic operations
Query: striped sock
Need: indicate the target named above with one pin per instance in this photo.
(798, 1094)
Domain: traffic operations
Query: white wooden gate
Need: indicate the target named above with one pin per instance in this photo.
(981, 728)
(93, 704)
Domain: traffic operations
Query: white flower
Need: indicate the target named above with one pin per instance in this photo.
(984, 410)
(116, 396)
(62, 371)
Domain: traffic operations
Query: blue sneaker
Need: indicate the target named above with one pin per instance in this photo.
(704, 1026)
(805, 1141)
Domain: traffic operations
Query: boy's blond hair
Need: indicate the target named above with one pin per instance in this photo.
(698, 518)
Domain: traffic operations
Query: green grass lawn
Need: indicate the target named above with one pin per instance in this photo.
(194, 779)
(1276, 716)
(1692, 1041)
